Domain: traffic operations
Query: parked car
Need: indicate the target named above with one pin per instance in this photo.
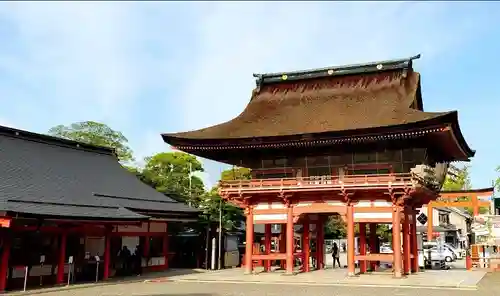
(438, 253)
(457, 253)
(386, 249)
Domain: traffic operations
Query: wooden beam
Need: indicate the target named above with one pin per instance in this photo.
(458, 204)
(467, 193)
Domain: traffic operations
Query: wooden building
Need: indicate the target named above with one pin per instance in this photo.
(353, 140)
(62, 199)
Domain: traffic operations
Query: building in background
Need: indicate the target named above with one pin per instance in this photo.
(67, 206)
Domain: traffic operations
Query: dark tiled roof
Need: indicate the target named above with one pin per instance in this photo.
(364, 100)
(66, 210)
(48, 176)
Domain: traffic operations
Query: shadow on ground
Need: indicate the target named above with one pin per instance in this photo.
(113, 281)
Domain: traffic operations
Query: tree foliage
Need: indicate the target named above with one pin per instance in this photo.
(214, 208)
(460, 180)
(174, 174)
(95, 133)
(335, 227)
(497, 181)
(236, 173)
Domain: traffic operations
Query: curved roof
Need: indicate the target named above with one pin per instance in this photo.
(330, 100)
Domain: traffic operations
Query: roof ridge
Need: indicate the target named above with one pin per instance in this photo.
(63, 204)
(52, 140)
(342, 70)
(136, 198)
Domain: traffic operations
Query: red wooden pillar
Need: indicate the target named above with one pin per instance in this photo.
(414, 242)
(373, 244)
(350, 240)
(282, 241)
(362, 246)
(475, 206)
(396, 241)
(320, 243)
(249, 241)
(430, 222)
(305, 244)
(267, 244)
(406, 243)
(107, 256)
(62, 258)
(289, 241)
(4, 261)
(165, 247)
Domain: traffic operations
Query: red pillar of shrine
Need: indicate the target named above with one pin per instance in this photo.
(305, 244)
(62, 258)
(289, 241)
(373, 244)
(4, 262)
(282, 241)
(350, 240)
(165, 247)
(362, 247)
(406, 243)
(249, 242)
(396, 241)
(320, 243)
(413, 241)
(107, 256)
(267, 244)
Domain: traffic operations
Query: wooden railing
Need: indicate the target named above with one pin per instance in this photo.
(321, 182)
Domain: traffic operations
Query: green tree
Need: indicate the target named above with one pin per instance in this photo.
(232, 216)
(335, 227)
(497, 181)
(459, 179)
(214, 207)
(236, 173)
(95, 133)
(173, 173)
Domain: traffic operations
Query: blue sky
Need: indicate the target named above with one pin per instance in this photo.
(150, 67)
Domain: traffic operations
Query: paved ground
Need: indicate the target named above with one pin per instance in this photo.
(447, 278)
(488, 287)
(325, 282)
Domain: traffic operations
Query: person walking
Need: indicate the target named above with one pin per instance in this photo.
(335, 255)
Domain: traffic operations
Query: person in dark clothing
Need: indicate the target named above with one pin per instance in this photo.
(125, 258)
(138, 260)
(336, 255)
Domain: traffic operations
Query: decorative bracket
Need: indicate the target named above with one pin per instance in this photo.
(346, 196)
(287, 198)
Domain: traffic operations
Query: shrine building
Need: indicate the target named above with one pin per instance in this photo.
(350, 140)
(62, 203)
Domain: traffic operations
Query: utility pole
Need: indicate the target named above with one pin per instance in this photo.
(220, 234)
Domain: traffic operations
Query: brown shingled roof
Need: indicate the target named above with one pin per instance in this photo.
(324, 104)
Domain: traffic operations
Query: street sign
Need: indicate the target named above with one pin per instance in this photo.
(422, 218)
